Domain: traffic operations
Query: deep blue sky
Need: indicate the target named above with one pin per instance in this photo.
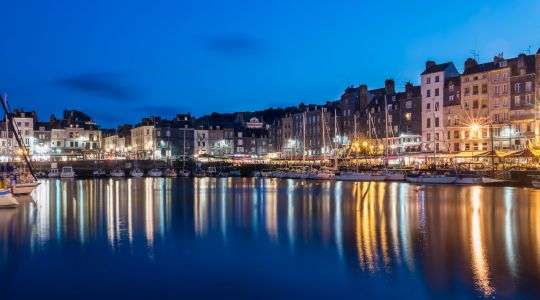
(122, 60)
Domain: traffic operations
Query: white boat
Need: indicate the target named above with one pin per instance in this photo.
(99, 173)
(7, 200)
(212, 172)
(469, 180)
(170, 173)
(394, 175)
(321, 175)
(360, 176)
(67, 172)
(431, 178)
(54, 173)
(155, 173)
(24, 188)
(492, 180)
(117, 172)
(136, 173)
(184, 173)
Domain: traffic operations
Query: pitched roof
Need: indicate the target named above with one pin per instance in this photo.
(436, 68)
(480, 68)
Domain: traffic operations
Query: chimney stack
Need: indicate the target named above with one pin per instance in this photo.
(429, 64)
(364, 96)
(469, 63)
(389, 86)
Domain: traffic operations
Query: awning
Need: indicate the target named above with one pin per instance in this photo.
(468, 154)
(525, 153)
(492, 153)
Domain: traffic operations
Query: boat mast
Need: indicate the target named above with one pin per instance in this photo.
(386, 129)
(304, 138)
(323, 132)
(184, 151)
(17, 138)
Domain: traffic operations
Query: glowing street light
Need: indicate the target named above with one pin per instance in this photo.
(475, 127)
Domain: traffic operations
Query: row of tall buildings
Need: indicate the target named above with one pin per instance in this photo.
(490, 105)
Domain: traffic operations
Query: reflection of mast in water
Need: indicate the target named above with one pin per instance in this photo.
(200, 207)
(382, 222)
(271, 213)
(480, 265)
(290, 212)
(338, 222)
(130, 212)
(509, 242)
(149, 215)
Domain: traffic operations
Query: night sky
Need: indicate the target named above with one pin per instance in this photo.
(122, 60)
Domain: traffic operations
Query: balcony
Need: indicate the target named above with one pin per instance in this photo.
(522, 117)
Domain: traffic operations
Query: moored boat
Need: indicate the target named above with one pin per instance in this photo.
(431, 178)
(170, 173)
(136, 173)
(360, 176)
(154, 173)
(54, 173)
(184, 173)
(7, 200)
(24, 188)
(117, 172)
(99, 173)
(67, 172)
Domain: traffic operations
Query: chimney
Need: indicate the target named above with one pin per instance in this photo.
(364, 96)
(429, 64)
(408, 86)
(469, 63)
(389, 86)
(498, 58)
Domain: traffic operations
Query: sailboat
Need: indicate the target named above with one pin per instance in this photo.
(154, 172)
(25, 183)
(170, 171)
(184, 172)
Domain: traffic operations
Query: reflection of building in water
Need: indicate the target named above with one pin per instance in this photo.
(81, 211)
(480, 239)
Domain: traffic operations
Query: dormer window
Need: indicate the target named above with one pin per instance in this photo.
(502, 64)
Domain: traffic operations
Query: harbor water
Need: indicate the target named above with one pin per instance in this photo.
(238, 238)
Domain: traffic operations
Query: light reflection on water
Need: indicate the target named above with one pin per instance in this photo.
(378, 239)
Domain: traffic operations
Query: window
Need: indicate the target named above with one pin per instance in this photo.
(456, 147)
(528, 99)
(428, 123)
(436, 92)
(451, 88)
(505, 102)
(516, 100)
(451, 98)
(502, 64)
(505, 75)
(517, 87)
(428, 106)
(428, 137)
(436, 106)
(496, 78)
(528, 86)
(475, 104)
(456, 134)
(484, 89)
(408, 104)
(496, 117)
(496, 90)
(436, 136)
(467, 91)
(436, 78)
(389, 108)
(505, 88)
(428, 93)
(408, 116)
(436, 122)
(496, 103)
(475, 90)
(428, 80)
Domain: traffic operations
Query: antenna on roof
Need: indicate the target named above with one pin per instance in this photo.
(475, 53)
(528, 50)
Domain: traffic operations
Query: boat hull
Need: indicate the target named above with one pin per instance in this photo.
(24, 188)
(432, 179)
(7, 200)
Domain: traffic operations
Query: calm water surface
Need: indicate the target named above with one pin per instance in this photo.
(269, 238)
